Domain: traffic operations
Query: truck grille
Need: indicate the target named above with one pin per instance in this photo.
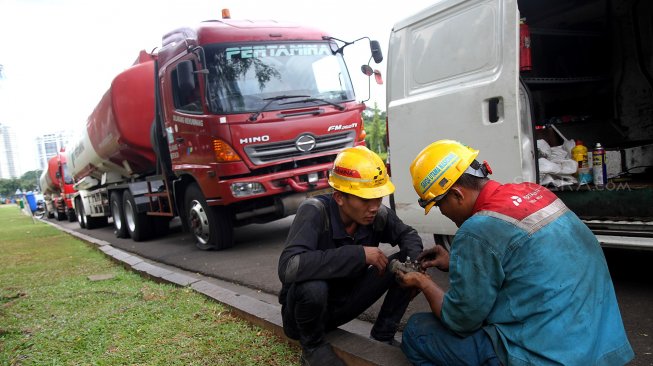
(267, 153)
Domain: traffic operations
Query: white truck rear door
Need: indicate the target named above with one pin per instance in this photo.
(453, 74)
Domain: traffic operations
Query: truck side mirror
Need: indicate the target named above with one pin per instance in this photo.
(367, 70)
(58, 175)
(185, 77)
(377, 54)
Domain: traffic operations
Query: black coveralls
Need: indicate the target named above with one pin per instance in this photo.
(326, 282)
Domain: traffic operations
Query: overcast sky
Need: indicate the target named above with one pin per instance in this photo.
(59, 56)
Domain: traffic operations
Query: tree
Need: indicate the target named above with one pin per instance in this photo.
(30, 180)
(27, 182)
(374, 120)
(8, 187)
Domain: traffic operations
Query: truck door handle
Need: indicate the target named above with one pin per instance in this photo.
(495, 109)
(179, 140)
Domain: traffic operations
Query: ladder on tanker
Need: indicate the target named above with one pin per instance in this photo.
(160, 202)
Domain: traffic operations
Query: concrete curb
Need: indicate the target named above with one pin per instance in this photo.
(350, 342)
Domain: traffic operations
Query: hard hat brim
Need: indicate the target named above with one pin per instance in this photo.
(370, 193)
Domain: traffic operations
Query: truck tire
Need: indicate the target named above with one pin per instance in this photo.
(49, 214)
(118, 215)
(79, 212)
(86, 221)
(61, 215)
(212, 227)
(70, 213)
(136, 224)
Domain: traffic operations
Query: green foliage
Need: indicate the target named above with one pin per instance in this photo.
(51, 313)
(27, 182)
(31, 177)
(374, 121)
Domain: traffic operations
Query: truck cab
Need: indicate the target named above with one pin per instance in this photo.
(507, 76)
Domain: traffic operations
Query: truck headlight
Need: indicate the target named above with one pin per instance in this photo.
(246, 189)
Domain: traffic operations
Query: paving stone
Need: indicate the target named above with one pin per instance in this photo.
(180, 279)
(107, 249)
(119, 254)
(132, 260)
(101, 277)
(154, 272)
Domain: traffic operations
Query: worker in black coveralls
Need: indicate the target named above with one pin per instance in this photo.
(332, 268)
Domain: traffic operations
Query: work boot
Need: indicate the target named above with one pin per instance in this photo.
(389, 341)
(321, 356)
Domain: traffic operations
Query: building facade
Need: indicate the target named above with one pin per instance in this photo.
(49, 145)
(8, 164)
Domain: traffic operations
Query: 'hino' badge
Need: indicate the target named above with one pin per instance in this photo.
(305, 143)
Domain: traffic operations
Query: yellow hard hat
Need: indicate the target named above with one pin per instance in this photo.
(361, 172)
(438, 167)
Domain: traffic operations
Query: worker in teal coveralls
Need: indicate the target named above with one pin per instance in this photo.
(529, 284)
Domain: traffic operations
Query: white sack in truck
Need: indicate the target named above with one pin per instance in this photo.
(555, 164)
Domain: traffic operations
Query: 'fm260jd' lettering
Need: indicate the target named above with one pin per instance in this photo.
(342, 127)
(251, 140)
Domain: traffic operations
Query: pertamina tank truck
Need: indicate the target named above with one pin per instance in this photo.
(232, 122)
(57, 188)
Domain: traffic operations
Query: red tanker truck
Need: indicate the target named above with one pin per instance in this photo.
(57, 188)
(231, 122)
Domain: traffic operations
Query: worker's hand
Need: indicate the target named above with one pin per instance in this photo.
(412, 279)
(435, 257)
(375, 257)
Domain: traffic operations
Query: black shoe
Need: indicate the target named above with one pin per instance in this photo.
(321, 356)
(390, 342)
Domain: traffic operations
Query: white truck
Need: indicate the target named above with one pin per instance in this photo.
(498, 75)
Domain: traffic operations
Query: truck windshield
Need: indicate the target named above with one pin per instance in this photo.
(67, 178)
(248, 78)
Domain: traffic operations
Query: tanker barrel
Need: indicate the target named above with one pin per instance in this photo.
(49, 181)
(116, 139)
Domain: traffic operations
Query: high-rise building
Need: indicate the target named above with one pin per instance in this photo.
(8, 166)
(49, 145)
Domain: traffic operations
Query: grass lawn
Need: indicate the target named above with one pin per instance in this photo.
(51, 313)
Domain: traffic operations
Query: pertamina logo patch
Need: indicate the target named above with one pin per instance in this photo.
(344, 172)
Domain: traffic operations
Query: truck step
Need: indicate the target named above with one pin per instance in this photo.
(162, 204)
(614, 241)
(168, 214)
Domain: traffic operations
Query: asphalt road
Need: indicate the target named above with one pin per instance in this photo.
(252, 262)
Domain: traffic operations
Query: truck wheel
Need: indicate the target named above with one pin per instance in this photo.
(71, 215)
(136, 224)
(211, 226)
(49, 214)
(118, 215)
(60, 215)
(79, 211)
